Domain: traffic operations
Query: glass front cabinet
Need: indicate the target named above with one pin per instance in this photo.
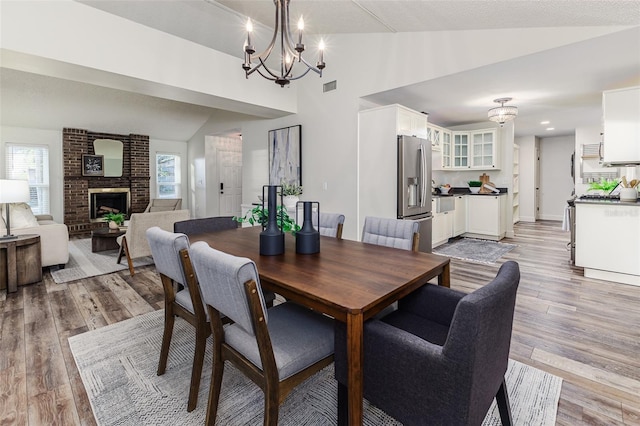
(477, 149)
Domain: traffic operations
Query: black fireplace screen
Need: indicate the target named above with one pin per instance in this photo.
(102, 203)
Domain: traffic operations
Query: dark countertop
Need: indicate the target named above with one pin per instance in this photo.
(465, 191)
(609, 202)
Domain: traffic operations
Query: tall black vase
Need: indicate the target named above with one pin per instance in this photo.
(308, 238)
(271, 237)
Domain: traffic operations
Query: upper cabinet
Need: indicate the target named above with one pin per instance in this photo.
(436, 136)
(477, 149)
(621, 126)
(411, 123)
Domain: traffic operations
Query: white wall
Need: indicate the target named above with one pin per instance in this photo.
(556, 183)
(53, 140)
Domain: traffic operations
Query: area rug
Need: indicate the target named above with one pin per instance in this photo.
(83, 264)
(475, 250)
(118, 365)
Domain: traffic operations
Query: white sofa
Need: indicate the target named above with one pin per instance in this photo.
(54, 238)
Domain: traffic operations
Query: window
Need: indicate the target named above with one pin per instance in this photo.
(31, 162)
(168, 175)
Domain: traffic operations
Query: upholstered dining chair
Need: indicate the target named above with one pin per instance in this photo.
(170, 252)
(440, 359)
(277, 348)
(214, 224)
(330, 224)
(205, 224)
(395, 233)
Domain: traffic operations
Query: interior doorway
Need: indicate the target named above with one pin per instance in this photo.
(223, 153)
(230, 182)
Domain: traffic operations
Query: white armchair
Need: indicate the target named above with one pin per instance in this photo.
(164, 205)
(134, 244)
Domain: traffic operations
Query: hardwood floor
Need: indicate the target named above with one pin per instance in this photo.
(584, 330)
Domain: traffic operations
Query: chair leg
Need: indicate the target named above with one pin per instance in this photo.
(343, 405)
(502, 398)
(124, 248)
(214, 389)
(198, 361)
(169, 319)
(271, 404)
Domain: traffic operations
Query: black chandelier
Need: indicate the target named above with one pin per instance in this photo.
(290, 52)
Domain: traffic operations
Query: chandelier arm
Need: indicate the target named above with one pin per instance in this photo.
(266, 76)
(301, 75)
(311, 67)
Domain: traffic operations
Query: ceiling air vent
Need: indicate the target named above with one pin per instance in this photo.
(327, 87)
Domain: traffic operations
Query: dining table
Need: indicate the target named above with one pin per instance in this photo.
(348, 280)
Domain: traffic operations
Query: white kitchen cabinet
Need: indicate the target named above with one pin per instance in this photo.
(460, 215)
(476, 149)
(607, 241)
(621, 110)
(410, 122)
(441, 228)
(446, 149)
(434, 136)
(486, 216)
(460, 150)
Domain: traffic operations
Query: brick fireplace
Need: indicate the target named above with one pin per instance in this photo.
(135, 176)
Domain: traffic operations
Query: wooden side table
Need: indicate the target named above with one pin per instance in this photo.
(103, 239)
(20, 262)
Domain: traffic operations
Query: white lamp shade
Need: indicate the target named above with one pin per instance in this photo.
(14, 191)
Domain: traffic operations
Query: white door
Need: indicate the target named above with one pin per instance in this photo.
(230, 182)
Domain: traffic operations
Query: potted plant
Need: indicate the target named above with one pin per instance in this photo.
(605, 186)
(258, 215)
(291, 193)
(115, 220)
(474, 186)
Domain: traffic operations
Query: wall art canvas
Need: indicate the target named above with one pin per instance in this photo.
(285, 156)
(92, 165)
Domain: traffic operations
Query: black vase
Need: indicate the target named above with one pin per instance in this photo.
(271, 237)
(308, 238)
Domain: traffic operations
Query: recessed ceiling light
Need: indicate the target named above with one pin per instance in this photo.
(551, 128)
(545, 122)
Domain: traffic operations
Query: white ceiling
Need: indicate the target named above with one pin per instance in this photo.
(562, 85)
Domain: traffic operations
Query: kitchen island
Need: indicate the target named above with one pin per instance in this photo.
(608, 240)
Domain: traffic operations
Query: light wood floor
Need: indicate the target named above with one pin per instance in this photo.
(584, 330)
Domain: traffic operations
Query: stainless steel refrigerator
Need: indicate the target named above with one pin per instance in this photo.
(414, 185)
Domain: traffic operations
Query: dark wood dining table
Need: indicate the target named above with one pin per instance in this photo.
(348, 280)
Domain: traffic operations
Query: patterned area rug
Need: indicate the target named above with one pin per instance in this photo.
(482, 251)
(83, 264)
(118, 366)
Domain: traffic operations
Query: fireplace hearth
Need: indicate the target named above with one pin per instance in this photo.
(108, 200)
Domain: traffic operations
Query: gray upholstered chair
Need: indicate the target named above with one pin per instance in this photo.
(171, 255)
(440, 359)
(395, 233)
(206, 224)
(330, 224)
(276, 348)
(214, 224)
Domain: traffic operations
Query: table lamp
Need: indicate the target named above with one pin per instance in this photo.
(13, 191)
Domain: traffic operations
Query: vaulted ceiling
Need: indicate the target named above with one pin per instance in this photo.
(562, 85)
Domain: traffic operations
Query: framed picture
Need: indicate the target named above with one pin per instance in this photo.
(92, 165)
(285, 156)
